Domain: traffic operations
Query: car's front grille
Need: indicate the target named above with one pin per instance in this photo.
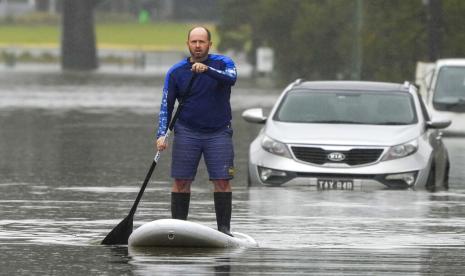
(353, 157)
(311, 155)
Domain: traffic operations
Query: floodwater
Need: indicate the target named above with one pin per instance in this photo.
(75, 149)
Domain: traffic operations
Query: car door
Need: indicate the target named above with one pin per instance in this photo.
(435, 140)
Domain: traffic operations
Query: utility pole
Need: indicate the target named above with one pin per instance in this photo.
(357, 46)
(434, 26)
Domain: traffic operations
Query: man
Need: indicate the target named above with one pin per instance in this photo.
(203, 126)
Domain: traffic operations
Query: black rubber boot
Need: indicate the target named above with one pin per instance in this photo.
(223, 202)
(180, 205)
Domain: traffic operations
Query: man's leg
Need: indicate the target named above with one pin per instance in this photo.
(180, 198)
(185, 159)
(218, 153)
(223, 203)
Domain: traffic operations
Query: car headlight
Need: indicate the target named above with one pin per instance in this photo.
(403, 150)
(275, 147)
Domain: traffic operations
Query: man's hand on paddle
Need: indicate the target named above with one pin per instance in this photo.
(161, 145)
(199, 67)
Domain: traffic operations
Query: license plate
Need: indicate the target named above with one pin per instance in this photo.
(335, 184)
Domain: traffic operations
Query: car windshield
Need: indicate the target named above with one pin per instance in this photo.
(449, 93)
(347, 107)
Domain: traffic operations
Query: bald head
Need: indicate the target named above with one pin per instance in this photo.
(199, 30)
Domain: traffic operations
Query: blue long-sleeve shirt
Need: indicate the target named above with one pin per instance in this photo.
(207, 108)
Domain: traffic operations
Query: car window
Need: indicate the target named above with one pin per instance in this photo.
(350, 107)
(449, 93)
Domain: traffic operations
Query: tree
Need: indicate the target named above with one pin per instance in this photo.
(314, 39)
(78, 46)
(308, 36)
(453, 44)
(394, 39)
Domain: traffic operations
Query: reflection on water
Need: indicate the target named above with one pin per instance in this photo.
(73, 160)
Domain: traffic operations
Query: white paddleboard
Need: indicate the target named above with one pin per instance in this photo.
(181, 233)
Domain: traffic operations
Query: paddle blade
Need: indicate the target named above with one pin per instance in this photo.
(120, 234)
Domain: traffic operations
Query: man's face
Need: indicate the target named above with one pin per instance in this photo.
(198, 44)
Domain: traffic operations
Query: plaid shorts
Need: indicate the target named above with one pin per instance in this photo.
(189, 145)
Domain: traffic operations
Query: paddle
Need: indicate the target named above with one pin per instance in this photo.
(120, 234)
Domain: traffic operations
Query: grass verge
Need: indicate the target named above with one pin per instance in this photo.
(162, 36)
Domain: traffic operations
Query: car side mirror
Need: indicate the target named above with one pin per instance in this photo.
(438, 124)
(254, 115)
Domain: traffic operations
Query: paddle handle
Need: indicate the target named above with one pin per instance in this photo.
(165, 138)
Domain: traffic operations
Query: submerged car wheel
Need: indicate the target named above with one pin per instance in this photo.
(445, 181)
(431, 181)
(249, 180)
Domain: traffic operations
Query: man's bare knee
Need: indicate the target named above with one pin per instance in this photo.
(222, 185)
(181, 186)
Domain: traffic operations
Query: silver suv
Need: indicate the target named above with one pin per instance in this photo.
(348, 135)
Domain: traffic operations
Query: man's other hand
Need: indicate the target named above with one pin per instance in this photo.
(160, 144)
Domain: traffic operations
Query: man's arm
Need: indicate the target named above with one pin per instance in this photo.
(228, 75)
(167, 105)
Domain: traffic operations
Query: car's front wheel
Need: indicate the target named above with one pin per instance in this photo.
(445, 181)
(249, 180)
(431, 181)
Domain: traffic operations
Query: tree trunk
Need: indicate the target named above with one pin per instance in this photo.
(78, 45)
(42, 5)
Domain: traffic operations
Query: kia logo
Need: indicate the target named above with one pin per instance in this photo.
(336, 156)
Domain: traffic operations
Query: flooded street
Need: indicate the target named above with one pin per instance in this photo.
(75, 150)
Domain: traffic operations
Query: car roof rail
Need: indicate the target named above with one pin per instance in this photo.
(406, 84)
(292, 84)
(297, 82)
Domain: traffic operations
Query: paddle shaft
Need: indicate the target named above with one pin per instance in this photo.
(148, 176)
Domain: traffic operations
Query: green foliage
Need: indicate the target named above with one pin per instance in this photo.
(11, 58)
(235, 30)
(8, 58)
(314, 39)
(454, 30)
(325, 51)
(394, 39)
